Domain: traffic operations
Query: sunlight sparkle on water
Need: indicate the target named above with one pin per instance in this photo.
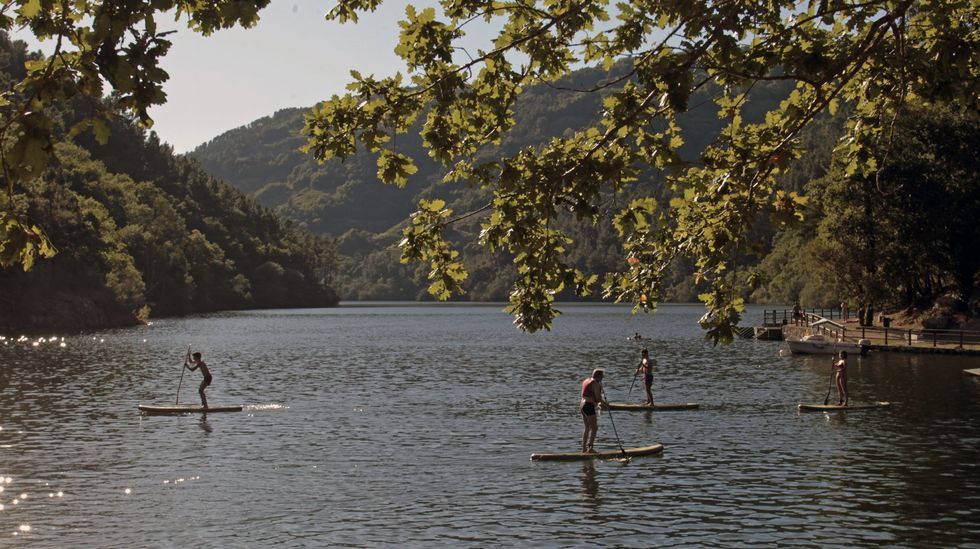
(128, 491)
(25, 528)
(264, 407)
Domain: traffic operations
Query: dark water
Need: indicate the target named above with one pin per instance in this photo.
(412, 426)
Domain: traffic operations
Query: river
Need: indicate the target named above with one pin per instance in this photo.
(412, 425)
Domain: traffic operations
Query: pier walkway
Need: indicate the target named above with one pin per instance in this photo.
(880, 338)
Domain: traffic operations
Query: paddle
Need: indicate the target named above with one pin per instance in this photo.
(628, 393)
(182, 368)
(635, 372)
(615, 432)
(826, 399)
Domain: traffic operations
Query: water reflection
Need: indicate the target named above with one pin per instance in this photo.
(205, 426)
(590, 485)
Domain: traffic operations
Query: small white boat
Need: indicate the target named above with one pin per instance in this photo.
(819, 344)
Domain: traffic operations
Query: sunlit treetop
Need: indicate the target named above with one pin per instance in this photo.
(877, 56)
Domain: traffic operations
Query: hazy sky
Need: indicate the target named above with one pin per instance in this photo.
(292, 58)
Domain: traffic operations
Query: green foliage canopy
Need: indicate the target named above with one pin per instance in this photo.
(876, 55)
(113, 43)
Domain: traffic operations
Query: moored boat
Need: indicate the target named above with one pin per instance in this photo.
(818, 344)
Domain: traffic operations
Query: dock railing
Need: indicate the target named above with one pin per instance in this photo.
(815, 321)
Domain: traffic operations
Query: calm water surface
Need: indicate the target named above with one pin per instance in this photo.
(412, 426)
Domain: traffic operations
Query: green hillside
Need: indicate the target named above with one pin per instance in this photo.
(348, 201)
(857, 242)
(141, 231)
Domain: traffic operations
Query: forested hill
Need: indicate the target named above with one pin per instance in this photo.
(141, 231)
(903, 239)
(347, 200)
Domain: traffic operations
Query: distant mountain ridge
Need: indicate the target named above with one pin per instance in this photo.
(346, 199)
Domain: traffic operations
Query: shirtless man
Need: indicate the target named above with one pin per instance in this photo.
(646, 368)
(198, 363)
(592, 398)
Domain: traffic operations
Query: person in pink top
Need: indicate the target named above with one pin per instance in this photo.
(840, 375)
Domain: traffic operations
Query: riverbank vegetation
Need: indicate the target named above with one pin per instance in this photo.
(904, 238)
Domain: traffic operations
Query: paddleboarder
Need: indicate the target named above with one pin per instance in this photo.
(840, 375)
(646, 368)
(198, 362)
(592, 399)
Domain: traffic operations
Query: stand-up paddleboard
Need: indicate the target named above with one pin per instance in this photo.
(606, 454)
(654, 406)
(836, 408)
(972, 371)
(187, 409)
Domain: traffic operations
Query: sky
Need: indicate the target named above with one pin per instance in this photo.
(292, 58)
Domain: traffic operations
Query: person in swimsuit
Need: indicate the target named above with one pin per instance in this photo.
(840, 375)
(592, 399)
(199, 363)
(646, 368)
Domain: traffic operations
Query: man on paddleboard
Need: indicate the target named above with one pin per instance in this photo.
(646, 368)
(199, 363)
(591, 399)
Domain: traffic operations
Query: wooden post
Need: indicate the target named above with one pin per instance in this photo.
(961, 339)
(886, 336)
(934, 332)
(910, 337)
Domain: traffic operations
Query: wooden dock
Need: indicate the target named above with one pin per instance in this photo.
(878, 338)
